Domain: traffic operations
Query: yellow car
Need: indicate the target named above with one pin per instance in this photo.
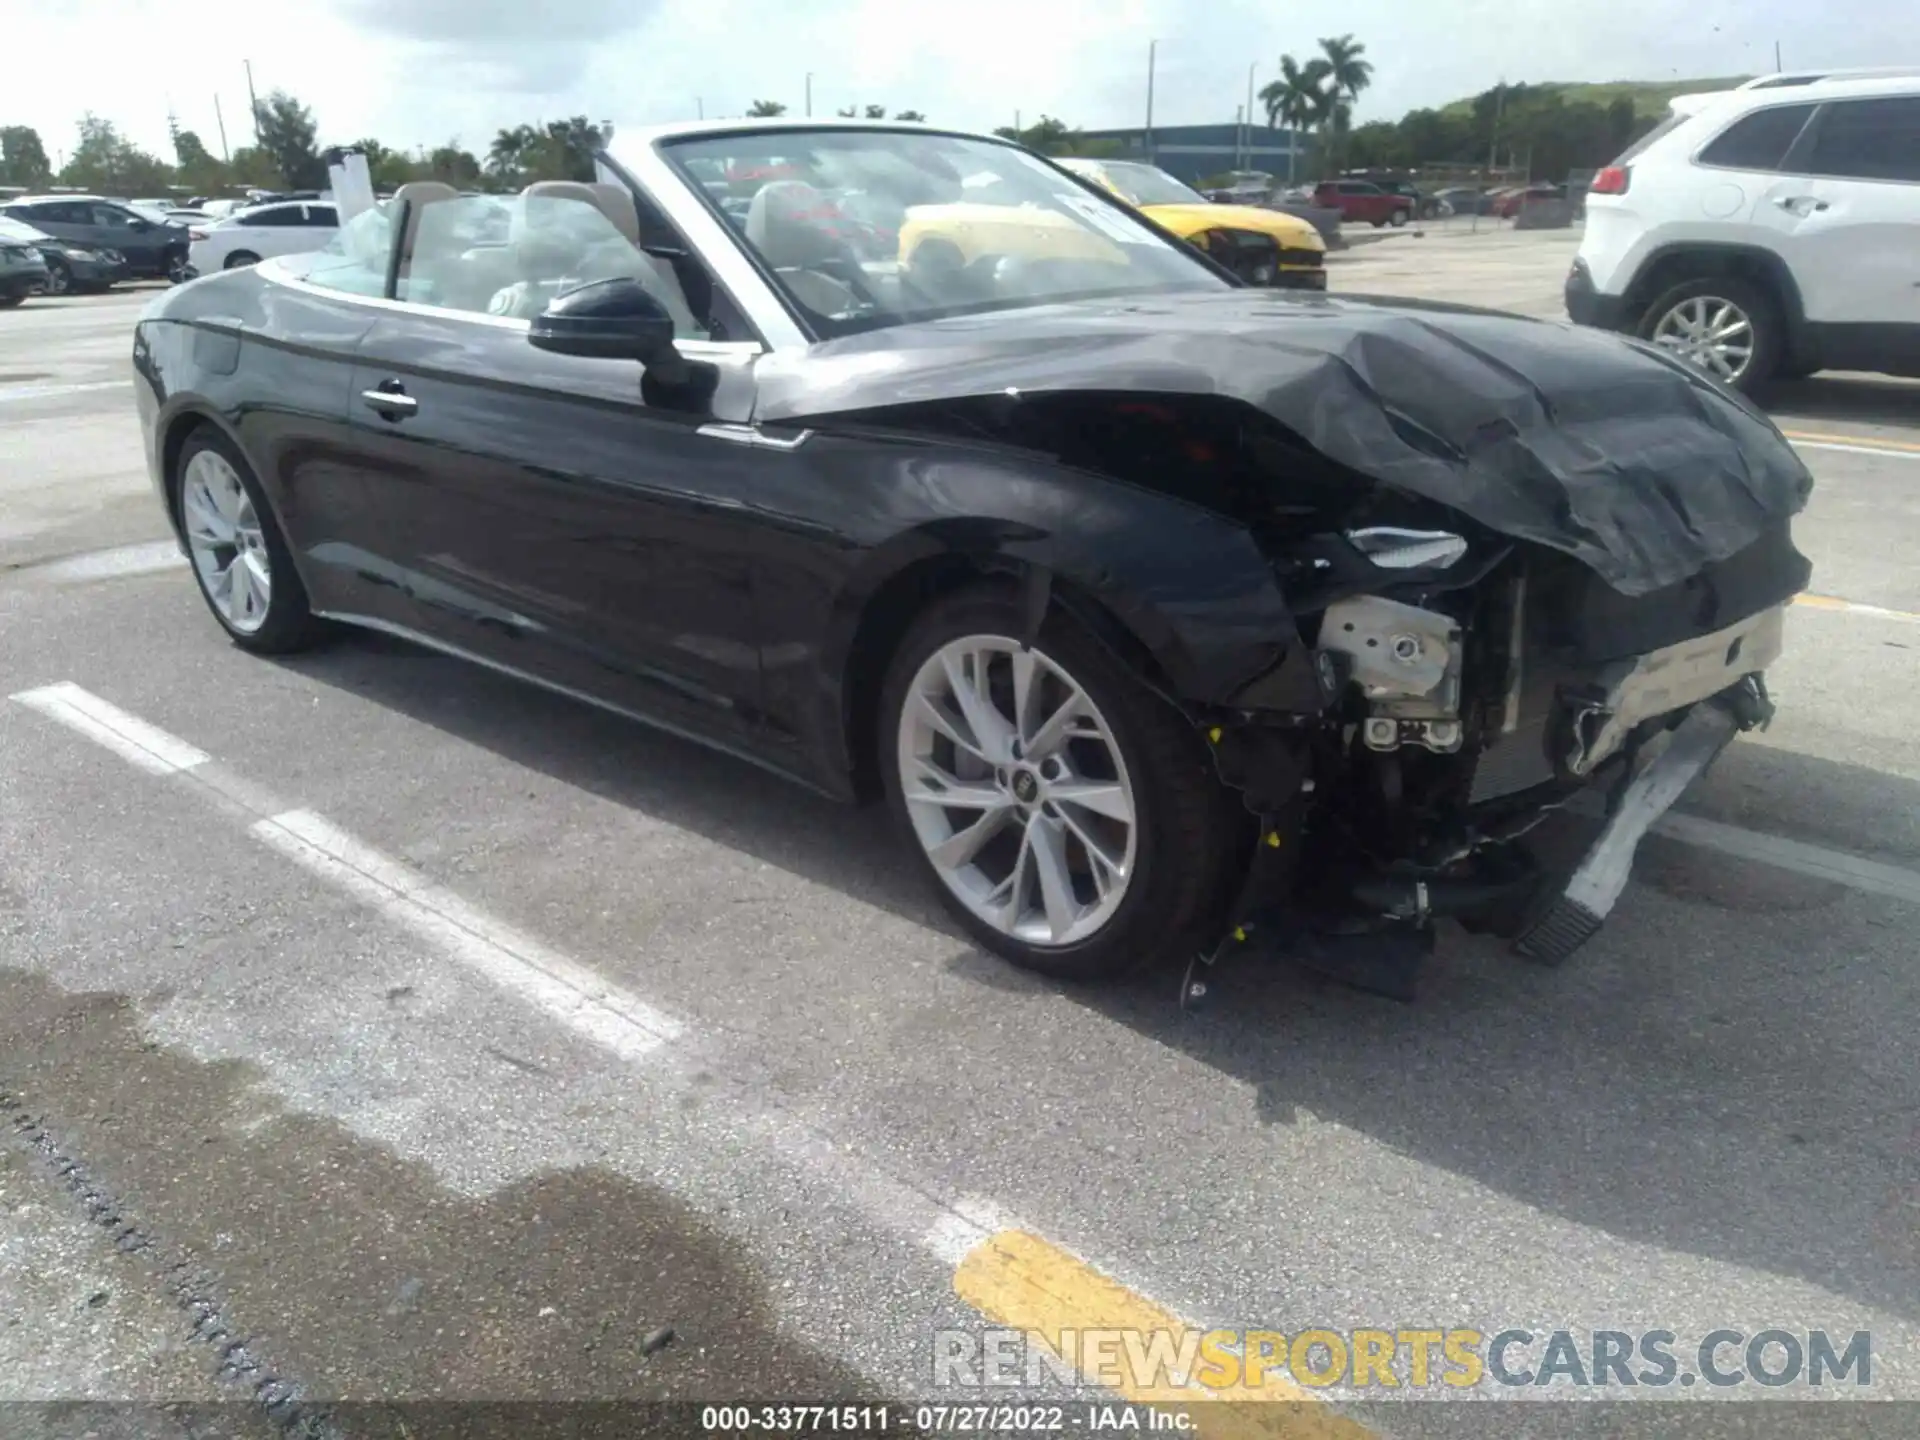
(1265, 247)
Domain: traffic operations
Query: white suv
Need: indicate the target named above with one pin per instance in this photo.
(1772, 230)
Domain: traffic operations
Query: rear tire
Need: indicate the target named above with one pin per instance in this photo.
(1166, 900)
(7, 302)
(1685, 318)
(240, 259)
(239, 558)
(1398, 219)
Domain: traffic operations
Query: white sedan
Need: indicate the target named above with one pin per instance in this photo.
(249, 236)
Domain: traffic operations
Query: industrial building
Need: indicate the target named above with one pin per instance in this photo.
(1196, 152)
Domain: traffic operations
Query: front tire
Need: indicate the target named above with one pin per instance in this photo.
(59, 278)
(1398, 219)
(1729, 327)
(240, 259)
(1088, 839)
(240, 559)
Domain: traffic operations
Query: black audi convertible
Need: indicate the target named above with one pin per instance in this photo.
(1164, 611)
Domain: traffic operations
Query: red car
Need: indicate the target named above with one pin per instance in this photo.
(1508, 204)
(1362, 200)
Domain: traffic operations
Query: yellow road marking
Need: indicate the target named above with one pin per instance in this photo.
(1854, 607)
(1023, 1282)
(1865, 442)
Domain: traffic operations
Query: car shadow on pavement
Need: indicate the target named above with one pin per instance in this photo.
(570, 1286)
(1859, 399)
(1729, 1071)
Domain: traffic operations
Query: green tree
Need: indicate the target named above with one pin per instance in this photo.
(23, 159)
(766, 109)
(289, 134)
(876, 112)
(1049, 136)
(198, 168)
(1298, 99)
(253, 167)
(453, 166)
(108, 162)
(848, 113)
(913, 115)
(1348, 73)
(559, 150)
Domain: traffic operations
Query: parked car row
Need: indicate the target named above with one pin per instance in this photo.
(61, 244)
(34, 262)
(148, 248)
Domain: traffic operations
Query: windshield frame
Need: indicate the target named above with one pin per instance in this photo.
(1119, 170)
(674, 150)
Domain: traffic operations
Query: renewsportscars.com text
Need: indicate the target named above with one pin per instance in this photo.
(1240, 1362)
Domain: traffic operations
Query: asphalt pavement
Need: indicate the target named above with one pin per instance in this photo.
(376, 1028)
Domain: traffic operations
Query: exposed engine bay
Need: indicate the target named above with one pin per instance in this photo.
(1452, 689)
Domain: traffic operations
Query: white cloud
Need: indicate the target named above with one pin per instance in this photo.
(417, 72)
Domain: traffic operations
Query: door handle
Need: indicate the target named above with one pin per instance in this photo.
(393, 404)
(1799, 204)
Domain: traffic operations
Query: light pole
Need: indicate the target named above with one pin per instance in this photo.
(1247, 164)
(1153, 47)
(809, 94)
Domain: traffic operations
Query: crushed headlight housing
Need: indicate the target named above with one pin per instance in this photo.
(1393, 548)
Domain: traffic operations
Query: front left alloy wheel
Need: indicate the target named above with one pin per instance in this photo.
(240, 559)
(1070, 817)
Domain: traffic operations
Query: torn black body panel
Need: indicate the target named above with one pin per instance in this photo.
(1586, 443)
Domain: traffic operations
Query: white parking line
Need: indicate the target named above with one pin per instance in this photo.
(128, 736)
(155, 555)
(564, 989)
(1872, 877)
(1874, 450)
(53, 392)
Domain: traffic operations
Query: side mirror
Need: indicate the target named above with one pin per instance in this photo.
(616, 319)
(133, 223)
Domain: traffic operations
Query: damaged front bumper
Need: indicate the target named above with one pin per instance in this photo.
(1416, 812)
(1578, 911)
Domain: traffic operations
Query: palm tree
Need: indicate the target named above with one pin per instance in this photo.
(1347, 75)
(767, 108)
(1298, 97)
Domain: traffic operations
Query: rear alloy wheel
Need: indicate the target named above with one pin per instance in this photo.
(240, 259)
(239, 559)
(1071, 819)
(1727, 327)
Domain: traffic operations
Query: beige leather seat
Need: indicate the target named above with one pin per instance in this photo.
(613, 257)
(555, 245)
(783, 225)
(408, 201)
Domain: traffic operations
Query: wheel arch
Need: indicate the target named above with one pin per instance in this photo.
(1675, 263)
(184, 416)
(879, 607)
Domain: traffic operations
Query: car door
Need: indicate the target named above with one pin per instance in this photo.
(1845, 213)
(134, 236)
(70, 220)
(546, 512)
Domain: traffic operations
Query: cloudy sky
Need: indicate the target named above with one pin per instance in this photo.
(415, 72)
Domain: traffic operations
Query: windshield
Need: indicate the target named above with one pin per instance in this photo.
(20, 234)
(1149, 185)
(866, 228)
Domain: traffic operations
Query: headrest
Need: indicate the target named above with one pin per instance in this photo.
(616, 203)
(794, 226)
(419, 193)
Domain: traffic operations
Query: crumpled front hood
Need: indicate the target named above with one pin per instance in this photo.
(1570, 438)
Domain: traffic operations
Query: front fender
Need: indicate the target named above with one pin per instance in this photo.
(1189, 588)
